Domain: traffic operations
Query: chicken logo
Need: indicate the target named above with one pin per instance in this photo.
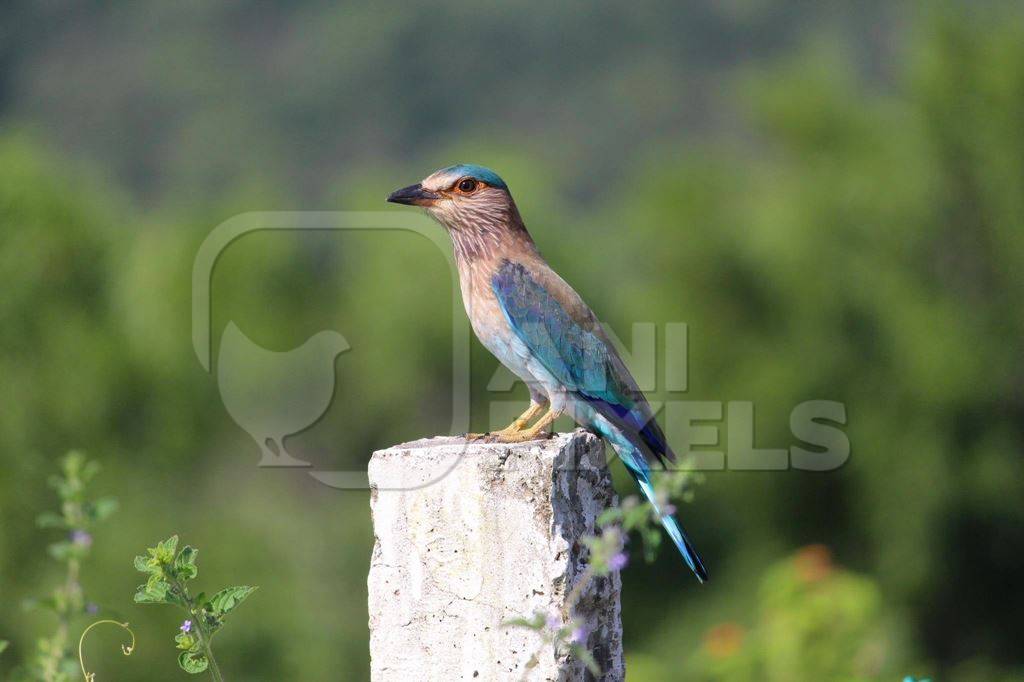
(272, 395)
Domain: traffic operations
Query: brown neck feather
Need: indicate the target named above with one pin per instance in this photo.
(485, 237)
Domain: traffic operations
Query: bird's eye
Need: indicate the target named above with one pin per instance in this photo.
(467, 185)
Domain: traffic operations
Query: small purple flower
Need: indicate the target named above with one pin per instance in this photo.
(668, 510)
(186, 627)
(553, 621)
(92, 608)
(580, 634)
(81, 538)
(618, 561)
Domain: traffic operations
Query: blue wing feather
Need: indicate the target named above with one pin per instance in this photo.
(583, 362)
(578, 355)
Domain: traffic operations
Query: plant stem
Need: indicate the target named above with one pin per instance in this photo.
(208, 650)
(201, 631)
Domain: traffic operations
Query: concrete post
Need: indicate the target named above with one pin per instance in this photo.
(471, 535)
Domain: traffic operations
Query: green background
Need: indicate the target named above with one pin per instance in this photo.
(829, 194)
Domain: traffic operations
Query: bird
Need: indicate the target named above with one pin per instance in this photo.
(540, 328)
(272, 394)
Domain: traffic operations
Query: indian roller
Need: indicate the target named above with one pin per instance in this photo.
(541, 330)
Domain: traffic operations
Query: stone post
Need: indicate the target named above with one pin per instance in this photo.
(471, 535)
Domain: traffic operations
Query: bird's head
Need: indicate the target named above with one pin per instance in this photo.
(462, 197)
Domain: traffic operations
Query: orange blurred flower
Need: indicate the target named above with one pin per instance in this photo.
(724, 640)
(813, 563)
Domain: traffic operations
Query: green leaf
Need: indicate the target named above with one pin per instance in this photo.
(535, 623)
(185, 563)
(59, 550)
(3, 645)
(193, 663)
(35, 604)
(652, 540)
(186, 641)
(584, 655)
(227, 599)
(50, 520)
(164, 551)
(154, 592)
(156, 584)
(101, 508)
(142, 565)
(174, 598)
(143, 597)
(211, 620)
(638, 516)
(609, 516)
(89, 470)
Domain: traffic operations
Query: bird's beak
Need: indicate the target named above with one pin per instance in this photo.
(414, 195)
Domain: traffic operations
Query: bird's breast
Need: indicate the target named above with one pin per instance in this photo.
(489, 322)
(482, 308)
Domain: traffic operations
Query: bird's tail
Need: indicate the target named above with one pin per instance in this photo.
(635, 462)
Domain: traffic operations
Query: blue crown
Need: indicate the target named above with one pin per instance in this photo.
(479, 172)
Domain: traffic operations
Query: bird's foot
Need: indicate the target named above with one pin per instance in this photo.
(517, 426)
(536, 432)
(521, 436)
(508, 432)
(476, 436)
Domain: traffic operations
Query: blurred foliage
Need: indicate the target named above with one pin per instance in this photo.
(811, 621)
(217, 95)
(55, 658)
(831, 199)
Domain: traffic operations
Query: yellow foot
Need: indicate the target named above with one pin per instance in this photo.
(520, 437)
(535, 432)
(519, 424)
(512, 429)
(476, 436)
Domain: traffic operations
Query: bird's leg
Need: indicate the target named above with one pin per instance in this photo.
(533, 432)
(521, 421)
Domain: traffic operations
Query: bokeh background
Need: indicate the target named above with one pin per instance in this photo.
(829, 194)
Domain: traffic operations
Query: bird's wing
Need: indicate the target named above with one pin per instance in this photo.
(562, 332)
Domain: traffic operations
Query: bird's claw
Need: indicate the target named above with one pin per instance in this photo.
(519, 437)
(491, 437)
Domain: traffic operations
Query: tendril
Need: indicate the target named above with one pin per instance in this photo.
(126, 649)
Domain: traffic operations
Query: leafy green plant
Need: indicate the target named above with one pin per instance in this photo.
(168, 571)
(54, 660)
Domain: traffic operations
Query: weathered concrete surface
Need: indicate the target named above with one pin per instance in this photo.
(469, 536)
